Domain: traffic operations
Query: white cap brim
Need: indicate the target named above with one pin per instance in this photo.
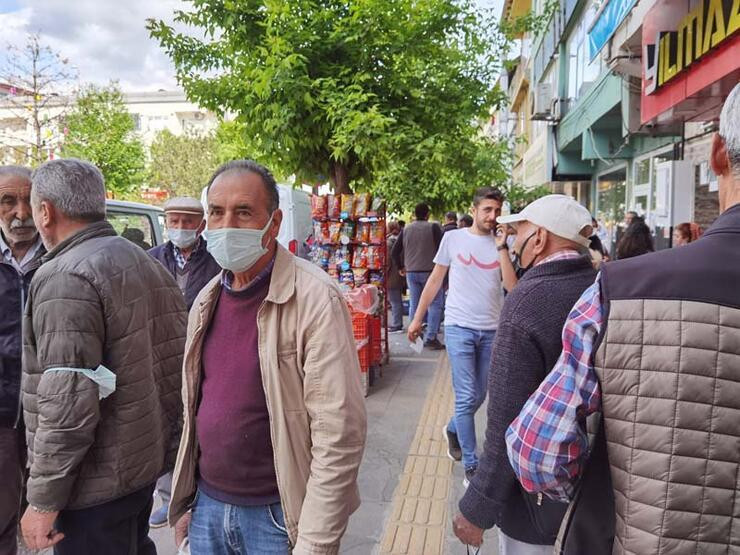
(511, 219)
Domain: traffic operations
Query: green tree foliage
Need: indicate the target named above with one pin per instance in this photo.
(378, 94)
(101, 130)
(182, 164)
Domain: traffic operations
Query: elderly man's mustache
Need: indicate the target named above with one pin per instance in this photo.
(16, 223)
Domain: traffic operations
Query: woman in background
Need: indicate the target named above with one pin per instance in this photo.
(686, 233)
(636, 240)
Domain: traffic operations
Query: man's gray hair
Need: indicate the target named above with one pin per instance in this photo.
(729, 128)
(15, 171)
(74, 187)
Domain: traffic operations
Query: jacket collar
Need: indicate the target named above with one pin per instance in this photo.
(558, 267)
(92, 231)
(728, 222)
(282, 283)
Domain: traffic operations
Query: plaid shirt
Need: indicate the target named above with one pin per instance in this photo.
(547, 443)
(560, 255)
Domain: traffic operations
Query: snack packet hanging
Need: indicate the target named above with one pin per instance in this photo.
(376, 233)
(334, 207)
(321, 232)
(319, 207)
(363, 232)
(362, 205)
(348, 207)
(335, 230)
(361, 276)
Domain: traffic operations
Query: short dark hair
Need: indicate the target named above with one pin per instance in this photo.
(451, 216)
(421, 211)
(467, 220)
(250, 166)
(487, 193)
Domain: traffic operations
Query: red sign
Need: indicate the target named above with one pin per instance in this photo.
(691, 59)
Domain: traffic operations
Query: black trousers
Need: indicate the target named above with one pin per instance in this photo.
(119, 527)
(12, 457)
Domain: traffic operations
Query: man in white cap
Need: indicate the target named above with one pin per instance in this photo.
(552, 239)
(186, 257)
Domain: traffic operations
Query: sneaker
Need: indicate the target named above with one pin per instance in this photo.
(395, 329)
(159, 517)
(469, 473)
(434, 345)
(454, 451)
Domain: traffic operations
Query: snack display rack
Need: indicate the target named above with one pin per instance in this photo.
(349, 243)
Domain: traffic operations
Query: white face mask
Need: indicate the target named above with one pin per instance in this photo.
(236, 249)
(183, 238)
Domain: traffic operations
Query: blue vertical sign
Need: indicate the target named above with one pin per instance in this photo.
(606, 24)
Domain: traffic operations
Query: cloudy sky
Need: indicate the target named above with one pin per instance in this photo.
(105, 39)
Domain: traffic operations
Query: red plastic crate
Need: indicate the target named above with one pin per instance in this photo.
(361, 330)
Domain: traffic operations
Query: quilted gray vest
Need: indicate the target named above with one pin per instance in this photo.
(669, 368)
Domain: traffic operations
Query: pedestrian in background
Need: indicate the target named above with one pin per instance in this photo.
(686, 233)
(186, 258)
(275, 421)
(637, 240)
(450, 222)
(414, 254)
(21, 249)
(653, 346)
(465, 221)
(104, 332)
(395, 280)
(552, 235)
(472, 310)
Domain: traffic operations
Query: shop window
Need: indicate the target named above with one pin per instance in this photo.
(611, 192)
(581, 72)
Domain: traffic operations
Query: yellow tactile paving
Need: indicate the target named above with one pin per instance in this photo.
(419, 516)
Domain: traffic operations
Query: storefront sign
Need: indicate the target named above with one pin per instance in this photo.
(607, 21)
(706, 27)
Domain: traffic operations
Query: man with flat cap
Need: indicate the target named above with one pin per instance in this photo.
(185, 256)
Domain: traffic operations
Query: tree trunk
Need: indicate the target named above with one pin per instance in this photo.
(339, 177)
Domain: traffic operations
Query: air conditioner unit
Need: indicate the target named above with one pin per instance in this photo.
(543, 97)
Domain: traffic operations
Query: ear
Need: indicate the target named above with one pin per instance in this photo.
(719, 160)
(47, 215)
(540, 240)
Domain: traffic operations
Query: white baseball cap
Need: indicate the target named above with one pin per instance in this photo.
(558, 214)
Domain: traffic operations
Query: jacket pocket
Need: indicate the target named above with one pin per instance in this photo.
(544, 514)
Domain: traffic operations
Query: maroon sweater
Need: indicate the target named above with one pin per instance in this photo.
(236, 464)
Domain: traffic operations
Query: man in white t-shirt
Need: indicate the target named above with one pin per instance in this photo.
(474, 301)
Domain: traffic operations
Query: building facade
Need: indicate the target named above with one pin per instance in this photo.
(152, 113)
(629, 92)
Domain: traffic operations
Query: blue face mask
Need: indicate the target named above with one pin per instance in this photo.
(236, 249)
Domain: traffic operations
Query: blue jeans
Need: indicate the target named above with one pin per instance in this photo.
(416, 282)
(469, 352)
(218, 528)
(396, 301)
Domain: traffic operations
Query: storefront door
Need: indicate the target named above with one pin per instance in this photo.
(611, 189)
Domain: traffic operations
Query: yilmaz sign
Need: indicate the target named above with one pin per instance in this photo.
(707, 26)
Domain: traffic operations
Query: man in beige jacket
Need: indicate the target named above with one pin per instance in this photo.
(275, 421)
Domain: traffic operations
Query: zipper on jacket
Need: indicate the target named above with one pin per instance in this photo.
(286, 511)
(539, 499)
(19, 403)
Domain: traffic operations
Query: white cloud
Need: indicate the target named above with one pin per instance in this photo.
(106, 40)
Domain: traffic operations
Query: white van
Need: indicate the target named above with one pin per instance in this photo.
(297, 226)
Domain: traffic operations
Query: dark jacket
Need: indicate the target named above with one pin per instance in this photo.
(13, 292)
(202, 267)
(527, 346)
(99, 300)
(395, 279)
(448, 227)
(667, 360)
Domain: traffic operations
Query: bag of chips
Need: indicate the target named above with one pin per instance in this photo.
(377, 208)
(376, 279)
(342, 259)
(347, 278)
(334, 207)
(376, 233)
(319, 207)
(321, 232)
(363, 232)
(348, 207)
(335, 230)
(362, 205)
(348, 233)
(361, 276)
(374, 258)
(360, 258)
